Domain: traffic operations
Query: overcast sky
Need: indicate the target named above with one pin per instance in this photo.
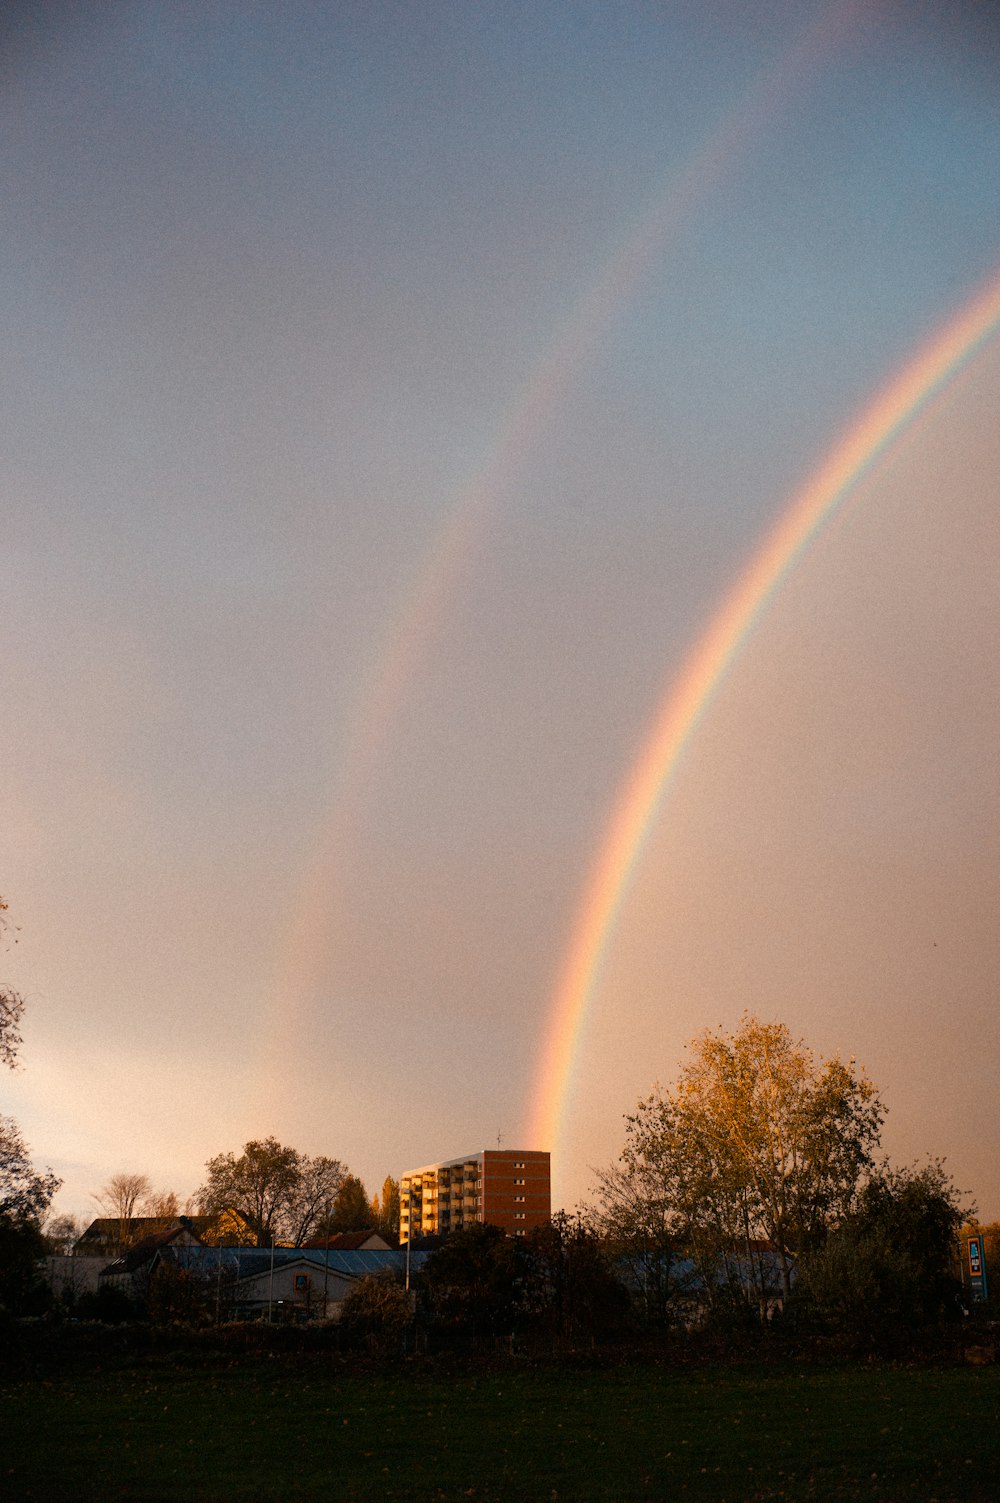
(390, 396)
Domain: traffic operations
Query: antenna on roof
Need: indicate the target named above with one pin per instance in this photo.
(498, 1142)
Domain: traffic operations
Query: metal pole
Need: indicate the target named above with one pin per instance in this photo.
(326, 1259)
(270, 1286)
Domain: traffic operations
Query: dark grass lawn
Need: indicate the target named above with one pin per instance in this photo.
(160, 1429)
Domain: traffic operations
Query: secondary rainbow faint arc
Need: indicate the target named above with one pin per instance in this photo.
(892, 410)
(307, 936)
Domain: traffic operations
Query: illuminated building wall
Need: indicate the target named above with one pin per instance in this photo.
(509, 1188)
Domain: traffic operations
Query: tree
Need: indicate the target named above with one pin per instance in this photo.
(23, 1290)
(11, 1010)
(640, 1225)
(376, 1313)
(62, 1233)
(261, 1182)
(24, 1192)
(352, 1211)
(474, 1282)
(320, 1182)
(283, 1192)
(757, 1143)
(386, 1211)
(887, 1271)
(25, 1195)
(175, 1295)
(163, 1205)
(121, 1199)
(570, 1286)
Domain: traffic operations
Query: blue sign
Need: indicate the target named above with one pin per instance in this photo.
(977, 1269)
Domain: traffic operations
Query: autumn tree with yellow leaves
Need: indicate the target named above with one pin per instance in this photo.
(758, 1143)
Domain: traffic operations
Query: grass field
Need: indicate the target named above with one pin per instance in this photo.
(157, 1428)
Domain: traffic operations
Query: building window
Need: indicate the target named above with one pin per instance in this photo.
(519, 1182)
(519, 1164)
(518, 1197)
(519, 1215)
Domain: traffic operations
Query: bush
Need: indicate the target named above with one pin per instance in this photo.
(179, 1296)
(570, 1287)
(23, 1290)
(109, 1306)
(886, 1273)
(375, 1314)
(472, 1286)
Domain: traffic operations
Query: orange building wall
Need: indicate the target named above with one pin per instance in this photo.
(517, 1193)
(509, 1188)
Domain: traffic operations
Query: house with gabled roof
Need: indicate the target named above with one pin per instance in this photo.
(366, 1241)
(130, 1271)
(279, 1283)
(110, 1236)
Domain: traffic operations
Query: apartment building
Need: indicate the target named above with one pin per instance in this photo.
(509, 1187)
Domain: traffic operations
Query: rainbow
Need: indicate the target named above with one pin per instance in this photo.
(312, 921)
(635, 810)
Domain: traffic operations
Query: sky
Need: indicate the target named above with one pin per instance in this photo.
(392, 398)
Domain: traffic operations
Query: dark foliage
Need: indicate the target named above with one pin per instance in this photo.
(887, 1273)
(375, 1315)
(283, 1193)
(570, 1289)
(179, 1296)
(351, 1210)
(23, 1290)
(472, 1286)
(109, 1306)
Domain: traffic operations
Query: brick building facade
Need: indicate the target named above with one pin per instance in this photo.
(509, 1188)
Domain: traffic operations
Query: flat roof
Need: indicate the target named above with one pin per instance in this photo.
(469, 1158)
